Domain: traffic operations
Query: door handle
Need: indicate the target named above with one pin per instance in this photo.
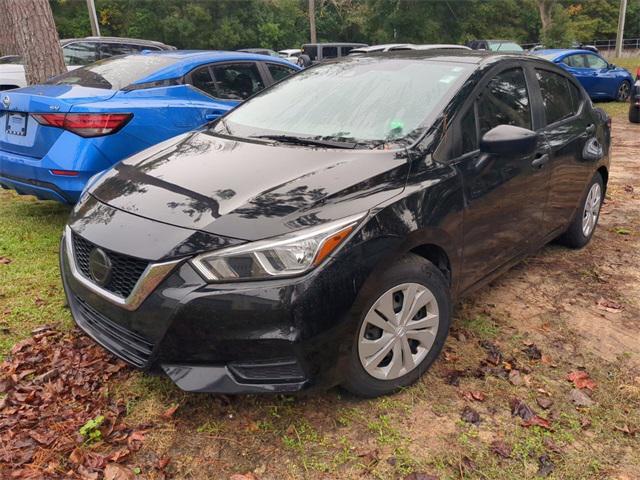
(213, 114)
(540, 161)
(591, 129)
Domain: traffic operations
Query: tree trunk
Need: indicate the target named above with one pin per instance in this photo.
(312, 20)
(37, 39)
(544, 7)
(8, 43)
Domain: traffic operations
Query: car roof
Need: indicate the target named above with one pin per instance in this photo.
(138, 41)
(187, 60)
(562, 52)
(336, 44)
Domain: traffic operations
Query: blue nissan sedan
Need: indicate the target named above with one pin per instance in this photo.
(601, 80)
(54, 137)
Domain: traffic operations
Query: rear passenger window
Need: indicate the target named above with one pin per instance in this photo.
(329, 52)
(278, 72)
(556, 96)
(79, 53)
(505, 101)
(237, 81)
(202, 80)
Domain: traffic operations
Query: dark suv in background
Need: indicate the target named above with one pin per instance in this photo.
(316, 52)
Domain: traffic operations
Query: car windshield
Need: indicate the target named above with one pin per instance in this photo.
(368, 101)
(114, 73)
(505, 47)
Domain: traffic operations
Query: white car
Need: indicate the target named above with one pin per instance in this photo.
(78, 52)
(290, 54)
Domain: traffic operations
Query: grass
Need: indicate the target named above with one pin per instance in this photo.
(30, 289)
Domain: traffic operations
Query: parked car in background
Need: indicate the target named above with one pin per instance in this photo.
(260, 51)
(300, 243)
(78, 52)
(601, 79)
(54, 137)
(317, 52)
(290, 54)
(431, 46)
(495, 45)
(10, 59)
(634, 107)
(376, 48)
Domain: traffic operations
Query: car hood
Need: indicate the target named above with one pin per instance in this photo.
(249, 190)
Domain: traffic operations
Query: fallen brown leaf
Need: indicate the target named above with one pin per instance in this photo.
(581, 380)
(114, 471)
(500, 448)
(538, 421)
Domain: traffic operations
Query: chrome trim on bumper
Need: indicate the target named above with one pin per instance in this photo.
(148, 281)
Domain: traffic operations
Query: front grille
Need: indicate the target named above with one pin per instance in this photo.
(130, 346)
(125, 273)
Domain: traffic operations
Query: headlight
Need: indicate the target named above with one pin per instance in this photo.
(291, 254)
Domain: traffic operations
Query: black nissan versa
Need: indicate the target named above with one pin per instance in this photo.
(320, 233)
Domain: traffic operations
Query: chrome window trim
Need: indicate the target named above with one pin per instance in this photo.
(148, 281)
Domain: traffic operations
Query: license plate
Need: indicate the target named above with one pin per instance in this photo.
(17, 124)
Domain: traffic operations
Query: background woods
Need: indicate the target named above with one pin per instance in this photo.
(231, 24)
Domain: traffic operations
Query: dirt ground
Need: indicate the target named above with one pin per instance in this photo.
(539, 378)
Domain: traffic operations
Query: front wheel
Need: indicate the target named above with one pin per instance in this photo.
(404, 319)
(586, 217)
(623, 91)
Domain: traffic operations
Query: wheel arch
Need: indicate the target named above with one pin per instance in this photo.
(436, 255)
(604, 173)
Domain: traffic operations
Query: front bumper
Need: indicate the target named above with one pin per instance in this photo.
(269, 336)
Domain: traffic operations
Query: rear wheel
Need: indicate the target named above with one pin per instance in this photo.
(586, 217)
(404, 322)
(623, 91)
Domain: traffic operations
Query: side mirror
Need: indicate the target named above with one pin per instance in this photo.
(509, 140)
(610, 66)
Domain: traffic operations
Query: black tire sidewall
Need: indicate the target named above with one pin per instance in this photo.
(410, 268)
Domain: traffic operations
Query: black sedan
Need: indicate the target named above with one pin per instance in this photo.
(320, 233)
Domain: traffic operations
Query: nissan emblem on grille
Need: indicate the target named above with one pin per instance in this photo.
(6, 101)
(100, 266)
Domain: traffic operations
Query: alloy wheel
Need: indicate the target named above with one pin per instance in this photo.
(623, 91)
(591, 209)
(398, 331)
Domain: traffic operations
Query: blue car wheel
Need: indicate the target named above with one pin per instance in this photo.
(624, 89)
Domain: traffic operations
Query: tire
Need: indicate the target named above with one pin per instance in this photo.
(304, 61)
(634, 114)
(578, 235)
(414, 348)
(623, 92)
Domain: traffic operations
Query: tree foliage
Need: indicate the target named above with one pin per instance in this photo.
(233, 24)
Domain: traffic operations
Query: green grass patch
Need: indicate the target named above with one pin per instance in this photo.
(30, 288)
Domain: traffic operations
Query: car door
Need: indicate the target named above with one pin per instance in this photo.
(578, 65)
(603, 77)
(504, 199)
(567, 130)
(228, 83)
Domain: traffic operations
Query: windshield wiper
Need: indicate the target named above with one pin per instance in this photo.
(307, 141)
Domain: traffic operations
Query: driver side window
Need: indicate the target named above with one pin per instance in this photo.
(505, 101)
(595, 62)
